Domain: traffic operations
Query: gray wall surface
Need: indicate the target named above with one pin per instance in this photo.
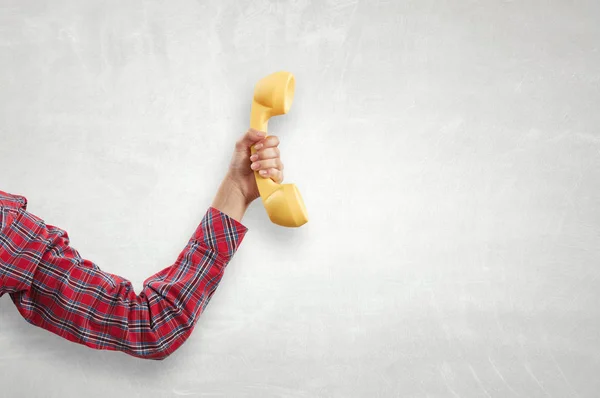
(448, 154)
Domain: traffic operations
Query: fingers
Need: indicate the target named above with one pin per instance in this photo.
(270, 141)
(275, 174)
(249, 138)
(266, 153)
(267, 164)
(267, 159)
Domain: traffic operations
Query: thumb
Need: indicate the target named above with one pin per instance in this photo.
(249, 138)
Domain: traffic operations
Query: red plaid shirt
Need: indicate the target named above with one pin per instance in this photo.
(55, 289)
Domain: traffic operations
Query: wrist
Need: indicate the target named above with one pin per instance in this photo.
(230, 182)
(230, 199)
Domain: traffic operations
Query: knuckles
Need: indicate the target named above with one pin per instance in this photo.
(274, 140)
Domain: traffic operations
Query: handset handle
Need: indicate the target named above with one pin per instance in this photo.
(273, 96)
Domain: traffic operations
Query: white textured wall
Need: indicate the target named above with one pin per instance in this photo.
(448, 154)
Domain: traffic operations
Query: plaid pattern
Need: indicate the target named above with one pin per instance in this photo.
(55, 289)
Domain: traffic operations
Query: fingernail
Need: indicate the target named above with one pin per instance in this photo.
(253, 157)
(262, 172)
(255, 166)
(257, 146)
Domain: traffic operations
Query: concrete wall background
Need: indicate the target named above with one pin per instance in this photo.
(448, 154)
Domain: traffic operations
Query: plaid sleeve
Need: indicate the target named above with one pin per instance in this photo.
(71, 297)
(15, 273)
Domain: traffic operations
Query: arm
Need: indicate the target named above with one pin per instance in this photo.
(54, 288)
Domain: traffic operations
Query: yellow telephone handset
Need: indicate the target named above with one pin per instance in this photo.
(273, 96)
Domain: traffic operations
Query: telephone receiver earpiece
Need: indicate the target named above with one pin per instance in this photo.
(273, 96)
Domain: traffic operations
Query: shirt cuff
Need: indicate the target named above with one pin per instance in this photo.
(20, 249)
(221, 233)
(12, 200)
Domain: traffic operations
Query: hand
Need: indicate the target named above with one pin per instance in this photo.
(266, 160)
